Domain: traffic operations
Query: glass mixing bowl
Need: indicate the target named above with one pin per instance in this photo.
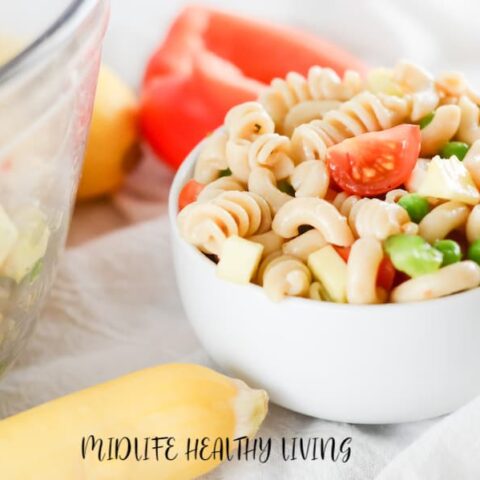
(48, 72)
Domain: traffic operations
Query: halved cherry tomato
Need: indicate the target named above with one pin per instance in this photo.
(386, 270)
(189, 193)
(374, 163)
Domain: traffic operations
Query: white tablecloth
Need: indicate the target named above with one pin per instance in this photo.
(115, 309)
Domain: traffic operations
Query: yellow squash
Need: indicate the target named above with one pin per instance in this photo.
(179, 401)
(112, 145)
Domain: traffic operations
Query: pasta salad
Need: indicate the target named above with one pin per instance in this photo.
(344, 189)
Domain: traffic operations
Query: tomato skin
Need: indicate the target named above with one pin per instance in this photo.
(374, 163)
(344, 252)
(400, 277)
(386, 274)
(189, 193)
(386, 271)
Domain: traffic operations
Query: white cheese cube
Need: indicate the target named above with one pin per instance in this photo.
(449, 179)
(239, 260)
(329, 268)
(33, 235)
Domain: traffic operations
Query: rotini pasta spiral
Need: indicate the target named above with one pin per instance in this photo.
(378, 219)
(305, 112)
(270, 240)
(362, 270)
(469, 130)
(272, 151)
(365, 112)
(344, 203)
(453, 85)
(311, 179)
(393, 196)
(472, 162)
(218, 186)
(237, 158)
(443, 219)
(285, 275)
(473, 225)
(262, 182)
(451, 279)
(314, 212)
(440, 130)
(321, 84)
(212, 158)
(207, 224)
(305, 244)
(372, 217)
(247, 121)
(419, 86)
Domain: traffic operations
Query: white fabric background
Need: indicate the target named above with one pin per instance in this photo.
(115, 308)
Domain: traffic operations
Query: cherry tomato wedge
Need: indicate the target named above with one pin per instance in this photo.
(344, 252)
(374, 163)
(386, 274)
(189, 193)
(386, 270)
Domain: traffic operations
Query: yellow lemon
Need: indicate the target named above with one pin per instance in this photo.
(112, 145)
(9, 47)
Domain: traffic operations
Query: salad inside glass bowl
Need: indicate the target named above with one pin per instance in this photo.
(46, 95)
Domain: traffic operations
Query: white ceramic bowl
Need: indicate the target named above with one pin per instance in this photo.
(361, 364)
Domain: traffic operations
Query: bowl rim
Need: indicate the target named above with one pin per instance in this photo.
(185, 173)
(56, 33)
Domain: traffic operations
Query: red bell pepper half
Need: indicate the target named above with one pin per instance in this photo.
(211, 61)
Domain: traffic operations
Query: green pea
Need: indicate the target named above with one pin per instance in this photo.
(457, 149)
(426, 120)
(285, 187)
(412, 255)
(224, 173)
(416, 206)
(451, 251)
(474, 251)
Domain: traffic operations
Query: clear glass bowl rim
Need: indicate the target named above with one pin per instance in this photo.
(31, 54)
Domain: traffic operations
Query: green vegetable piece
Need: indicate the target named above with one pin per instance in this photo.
(457, 149)
(285, 187)
(224, 173)
(451, 251)
(426, 120)
(412, 255)
(474, 251)
(36, 271)
(416, 206)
